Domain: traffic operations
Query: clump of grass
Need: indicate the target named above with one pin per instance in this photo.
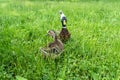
(91, 53)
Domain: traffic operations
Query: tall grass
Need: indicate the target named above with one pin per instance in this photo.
(93, 52)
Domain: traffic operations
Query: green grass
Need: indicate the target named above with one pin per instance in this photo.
(92, 53)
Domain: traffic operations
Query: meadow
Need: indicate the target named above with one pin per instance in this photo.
(92, 53)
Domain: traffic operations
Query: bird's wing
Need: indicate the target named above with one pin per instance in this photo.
(45, 50)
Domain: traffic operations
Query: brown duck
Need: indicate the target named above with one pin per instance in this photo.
(54, 48)
(64, 34)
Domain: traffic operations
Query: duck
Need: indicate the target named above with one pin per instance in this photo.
(53, 49)
(64, 34)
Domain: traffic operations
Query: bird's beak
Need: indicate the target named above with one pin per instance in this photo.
(46, 34)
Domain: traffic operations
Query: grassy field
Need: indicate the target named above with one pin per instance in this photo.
(92, 53)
